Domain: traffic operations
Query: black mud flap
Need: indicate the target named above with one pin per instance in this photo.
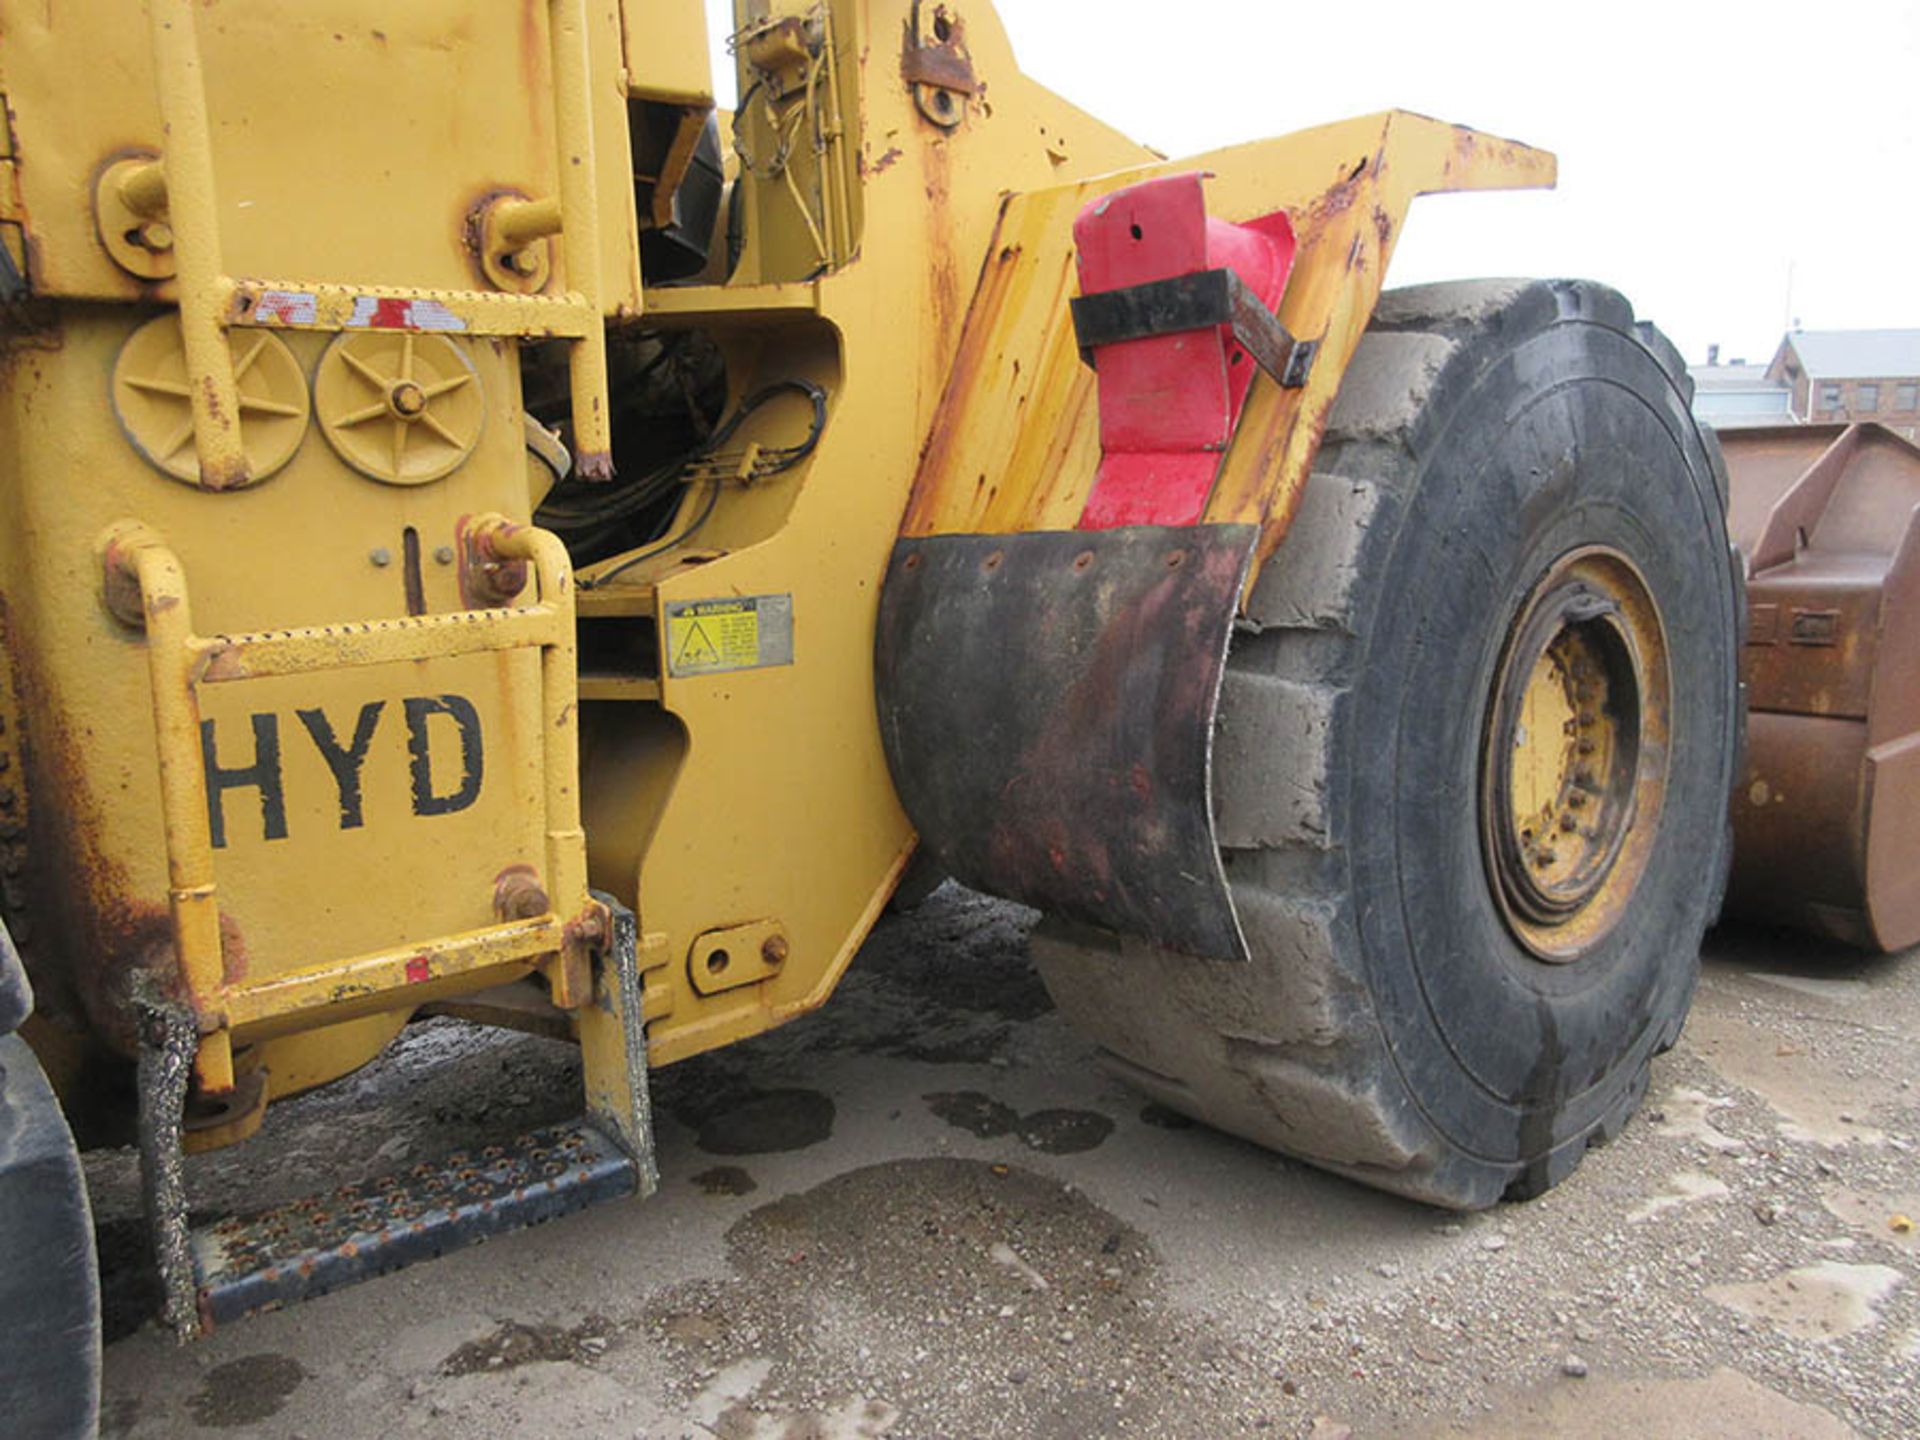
(1047, 703)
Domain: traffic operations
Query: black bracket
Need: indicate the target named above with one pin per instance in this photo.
(1199, 301)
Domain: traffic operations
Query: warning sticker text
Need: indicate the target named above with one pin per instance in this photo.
(706, 637)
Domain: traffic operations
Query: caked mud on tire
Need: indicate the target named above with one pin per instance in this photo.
(1393, 1025)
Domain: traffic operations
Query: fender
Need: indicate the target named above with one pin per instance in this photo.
(1055, 619)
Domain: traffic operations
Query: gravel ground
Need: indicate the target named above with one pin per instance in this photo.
(926, 1212)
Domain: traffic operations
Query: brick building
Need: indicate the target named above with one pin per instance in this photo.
(1845, 375)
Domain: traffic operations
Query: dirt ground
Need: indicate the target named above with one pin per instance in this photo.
(925, 1211)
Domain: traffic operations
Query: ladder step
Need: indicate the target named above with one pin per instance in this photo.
(250, 1263)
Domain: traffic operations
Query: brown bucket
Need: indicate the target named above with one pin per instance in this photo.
(1827, 814)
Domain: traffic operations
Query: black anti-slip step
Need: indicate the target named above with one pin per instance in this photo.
(259, 1262)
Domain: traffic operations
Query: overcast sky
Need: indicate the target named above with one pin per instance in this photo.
(1708, 150)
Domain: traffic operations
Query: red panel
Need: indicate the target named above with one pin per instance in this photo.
(1169, 403)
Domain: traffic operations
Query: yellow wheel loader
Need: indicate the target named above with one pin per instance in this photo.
(484, 532)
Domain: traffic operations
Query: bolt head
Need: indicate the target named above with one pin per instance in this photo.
(381, 557)
(407, 399)
(443, 555)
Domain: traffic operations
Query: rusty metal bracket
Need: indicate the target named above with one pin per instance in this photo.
(936, 66)
(1200, 301)
(613, 1046)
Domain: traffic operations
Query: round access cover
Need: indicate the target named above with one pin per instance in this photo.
(399, 407)
(150, 396)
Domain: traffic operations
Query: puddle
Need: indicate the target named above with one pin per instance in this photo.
(1053, 1132)
(245, 1391)
(726, 1180)
(974, 1113)
(1815, 1302)
(1065, 1132)
(1684, 1188)
(766, 1122)
(1879, 1216)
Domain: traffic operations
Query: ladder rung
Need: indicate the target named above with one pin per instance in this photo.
(296, 305)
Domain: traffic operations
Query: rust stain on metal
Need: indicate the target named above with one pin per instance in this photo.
(977, 334)
(943, 64)
(517, 894)
(102, 933)
(594, 466)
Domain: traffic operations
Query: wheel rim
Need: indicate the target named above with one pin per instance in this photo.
(1574, 760)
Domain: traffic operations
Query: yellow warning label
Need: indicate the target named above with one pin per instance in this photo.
(707, 636)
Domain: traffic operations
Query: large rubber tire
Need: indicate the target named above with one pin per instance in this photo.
(1390, 1026)
(49, 1280)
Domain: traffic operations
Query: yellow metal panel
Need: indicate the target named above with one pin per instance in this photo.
(428, 109)
(316, 545)
(664, 48)
(1016, 445)
(782, 806)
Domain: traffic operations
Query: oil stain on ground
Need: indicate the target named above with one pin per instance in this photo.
(967, 1296)
(245, 1391)
(726, 1180)
(763, 1122)
(1053, 1132)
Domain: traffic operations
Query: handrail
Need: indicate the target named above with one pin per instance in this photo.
(140, 563)
(211, 300)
